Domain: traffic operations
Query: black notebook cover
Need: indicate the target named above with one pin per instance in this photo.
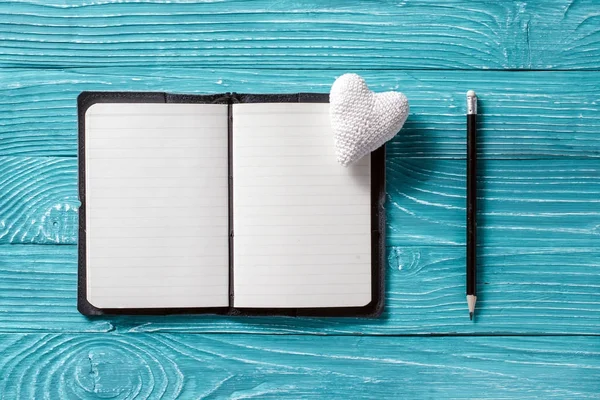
(373, 309)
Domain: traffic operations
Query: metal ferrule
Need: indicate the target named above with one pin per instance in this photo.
(472, 105)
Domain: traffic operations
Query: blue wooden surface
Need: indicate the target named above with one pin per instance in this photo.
(536, 66)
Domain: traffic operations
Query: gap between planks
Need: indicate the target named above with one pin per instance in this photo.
(200, 67)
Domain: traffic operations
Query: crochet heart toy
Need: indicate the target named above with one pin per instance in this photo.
(362, 120)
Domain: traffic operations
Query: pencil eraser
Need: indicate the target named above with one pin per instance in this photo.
(471, 93)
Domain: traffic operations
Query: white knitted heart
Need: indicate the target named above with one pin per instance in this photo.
(363, 121)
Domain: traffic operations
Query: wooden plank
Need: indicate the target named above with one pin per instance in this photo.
(39, 200)
(522, 202)
(246, 366)
(520, 291)
(39, 291)
(460, 34)
(525, 115)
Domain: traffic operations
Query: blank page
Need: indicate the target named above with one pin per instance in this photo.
(302, 222)
(156, 180)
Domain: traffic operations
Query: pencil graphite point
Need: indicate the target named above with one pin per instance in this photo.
(471, 300)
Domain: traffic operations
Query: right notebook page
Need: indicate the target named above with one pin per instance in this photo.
(301, 221)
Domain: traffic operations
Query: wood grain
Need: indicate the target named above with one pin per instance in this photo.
(543, 34)
(38, 286)
(520, 291)
(241, 367)
(523, 202)
(39, 202)
(524, 115)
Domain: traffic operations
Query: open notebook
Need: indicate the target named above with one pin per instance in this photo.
(227, 204)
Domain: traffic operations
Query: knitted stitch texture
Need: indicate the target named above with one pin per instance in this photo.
(362, 121)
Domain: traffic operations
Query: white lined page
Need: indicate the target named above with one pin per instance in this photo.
(302, 222)
(157, 232)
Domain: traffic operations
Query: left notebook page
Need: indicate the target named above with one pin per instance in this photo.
(156, 182)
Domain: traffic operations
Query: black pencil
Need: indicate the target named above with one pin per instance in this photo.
(471, 201)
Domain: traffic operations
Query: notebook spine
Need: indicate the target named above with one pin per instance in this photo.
(231, 100)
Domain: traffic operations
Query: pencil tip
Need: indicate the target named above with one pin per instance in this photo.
(471, 316)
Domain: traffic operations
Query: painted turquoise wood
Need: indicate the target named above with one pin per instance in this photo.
(290, 34)
(425, 288)
(526, 114)
(523, 202)
(536, 66)
(163, 366)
